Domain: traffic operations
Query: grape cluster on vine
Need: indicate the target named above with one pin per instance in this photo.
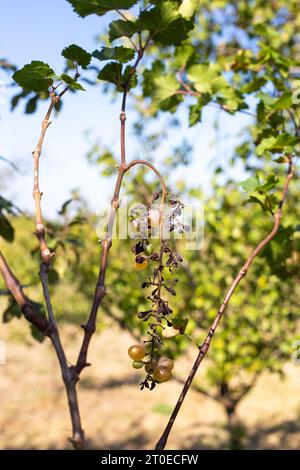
(163, 260)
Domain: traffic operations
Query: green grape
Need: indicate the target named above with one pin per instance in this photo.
(137, 364)
(136, 352)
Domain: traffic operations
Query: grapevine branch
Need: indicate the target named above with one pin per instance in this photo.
(203, 349)
(68, 373)
(100, 290)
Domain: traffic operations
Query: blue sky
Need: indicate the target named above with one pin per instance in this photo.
(36, 30)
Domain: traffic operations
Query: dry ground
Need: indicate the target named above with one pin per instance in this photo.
(116, 415)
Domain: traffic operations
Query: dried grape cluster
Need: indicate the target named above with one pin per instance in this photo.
(164, 261)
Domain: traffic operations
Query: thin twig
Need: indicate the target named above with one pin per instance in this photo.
(186, 87)
(69, 375)
(203, 349)
(46, 254)
(122, 15)
(152, 167)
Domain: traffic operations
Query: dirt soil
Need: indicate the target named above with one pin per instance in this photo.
(116, 414)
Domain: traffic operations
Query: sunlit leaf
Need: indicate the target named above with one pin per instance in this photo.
(36, 76)
(77, 54)
(99, 7)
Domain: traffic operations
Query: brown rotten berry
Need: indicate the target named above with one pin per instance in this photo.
(162, 374)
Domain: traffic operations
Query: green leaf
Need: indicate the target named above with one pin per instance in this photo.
(188, 8)
(203, 75)
(257, 199)
(157, 70)
(267, 202)
(180, 324)
(71, 82)
(5, 203)
(166, 24)
(36, 76)
(31, 104)
(99, 7)
(284, 102)
(12, 311)
(159, 17)
(183, 55)
(266, 98)
(129, 77)
(250, 184)
(284, 140)
(120, 28)
(254, 85)
(164, 87)
(112, 73)
(53, 276)
(77, 54)
(227, 96)
(195, 113)
(283, 159)
(122, 54)
(259, 191)
(36, 334)
(6, 229)
(15, 99)
(265, 144)
(269, 184)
